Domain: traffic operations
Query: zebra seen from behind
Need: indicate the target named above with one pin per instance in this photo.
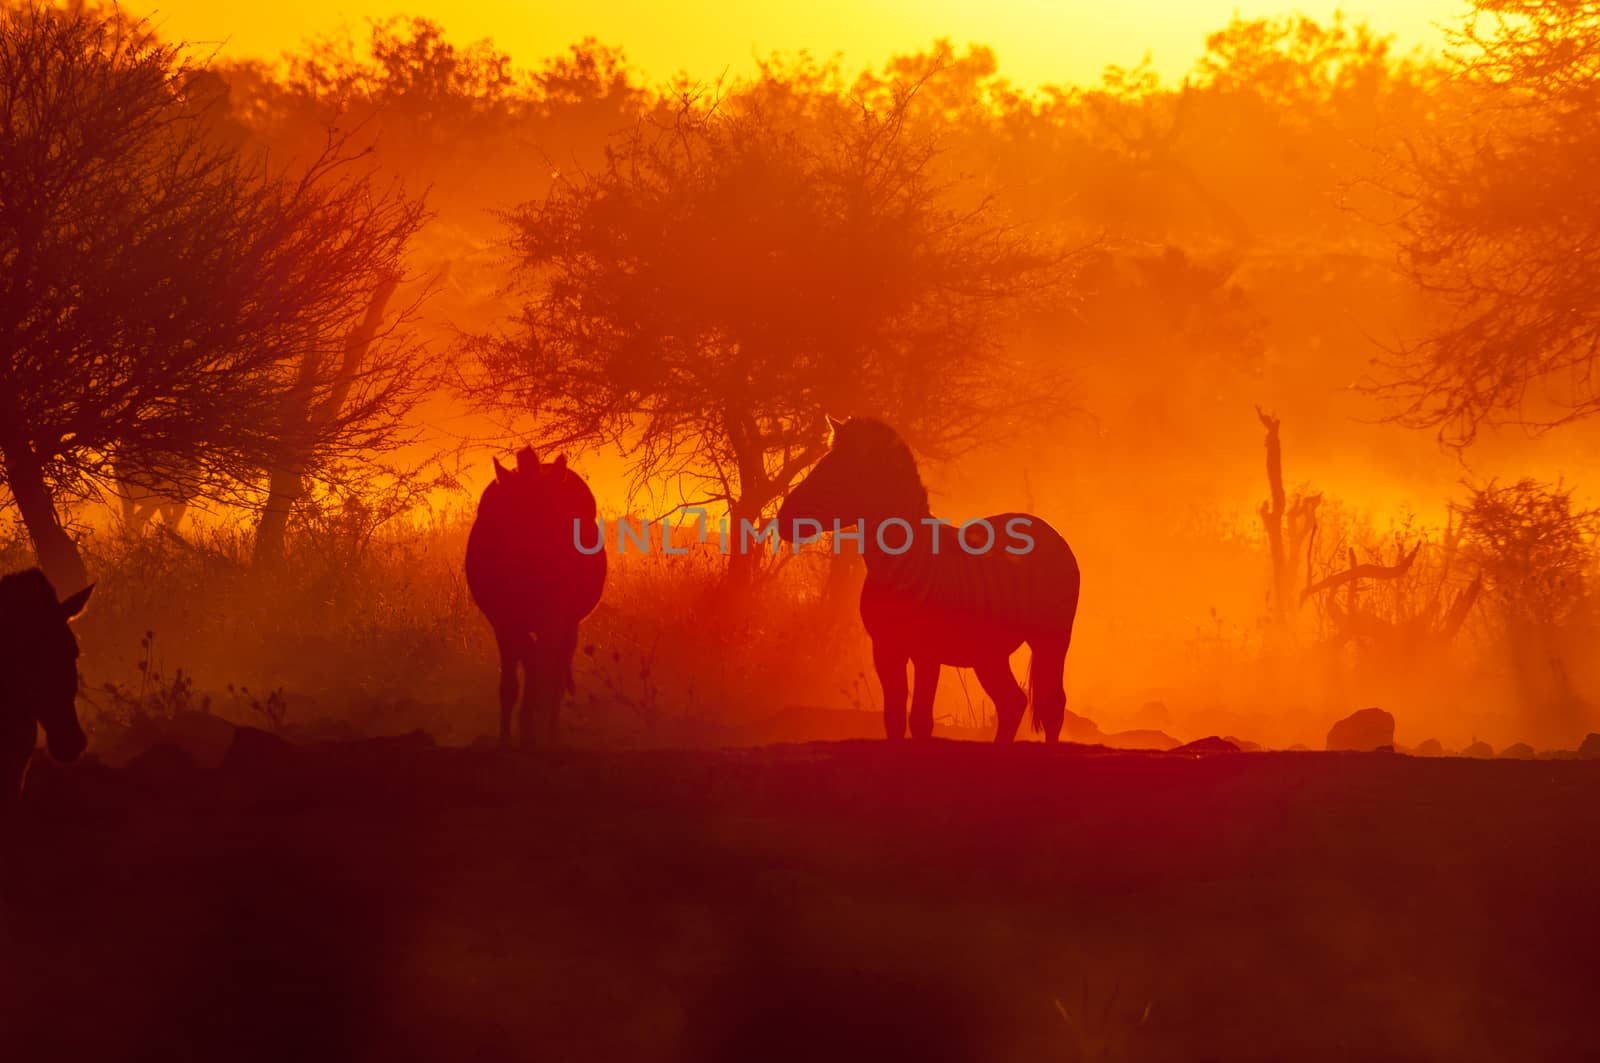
(526, 573)
(936, 594)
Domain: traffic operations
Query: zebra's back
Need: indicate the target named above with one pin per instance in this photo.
(950, 599)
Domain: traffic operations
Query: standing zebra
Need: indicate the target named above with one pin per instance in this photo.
(525, 571)
(38, 676)
(936, 595)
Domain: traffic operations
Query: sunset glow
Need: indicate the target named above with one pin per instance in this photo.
(1038, 42)
(945, 531)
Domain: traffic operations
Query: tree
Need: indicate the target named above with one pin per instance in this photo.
(1499, 225)
(313, 406)
(1536, 550)
(461, 120)
(740, 266)
(163, 293)
(1288, 524)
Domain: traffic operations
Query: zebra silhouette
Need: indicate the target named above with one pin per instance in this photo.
(937, 595)
(38, 676)
(534, 586)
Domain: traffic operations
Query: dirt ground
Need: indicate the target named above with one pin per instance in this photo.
(389, 899)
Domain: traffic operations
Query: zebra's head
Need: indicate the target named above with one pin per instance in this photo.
(535, 489)
(39, 659)
(867, 475)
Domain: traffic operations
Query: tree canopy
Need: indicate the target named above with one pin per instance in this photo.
(163, 292)
(1499, 224)
(741, 265)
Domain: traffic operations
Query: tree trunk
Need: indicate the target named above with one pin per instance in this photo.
(284, 488)
(744, 559)
(1272, 520)
(287, 479)
(58, 554)
(755, 490)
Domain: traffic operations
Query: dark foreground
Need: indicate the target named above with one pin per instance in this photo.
(391, 900)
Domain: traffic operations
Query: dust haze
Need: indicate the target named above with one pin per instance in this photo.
(1089, 298)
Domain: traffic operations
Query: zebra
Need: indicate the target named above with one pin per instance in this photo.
(525, 572)
(936, 595)
(38, 676)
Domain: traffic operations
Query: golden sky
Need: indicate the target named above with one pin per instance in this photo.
(1037, 41)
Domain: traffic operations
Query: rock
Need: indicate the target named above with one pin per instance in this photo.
(254, 749)
(1212, 744)
(1077, 728)
(1590, 749)
(1519, 751)
(1479, 751)
(203, 736)
(1365, 730)
(1243, 745)
(320, 729)
(1299, 747)
(1429, 747)
(1140, 739)
(1152, 716)
(164, 767)
(411, 742)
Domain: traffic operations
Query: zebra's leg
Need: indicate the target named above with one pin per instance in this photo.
(994, 675)
(1045, 676)
(925, 681)
(555, 675)
(535, 680)
(510, 646)
(891, 668)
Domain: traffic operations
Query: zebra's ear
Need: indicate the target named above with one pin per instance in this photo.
(501, 473)
(560, 464)
(73, 605)
(834, 424)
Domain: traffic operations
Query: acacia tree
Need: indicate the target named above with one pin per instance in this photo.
(740, 266)
(162, 293)
(1536, 550)
(1500, 224)
(460, 119)
(354, 371)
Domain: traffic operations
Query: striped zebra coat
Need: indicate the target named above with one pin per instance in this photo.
(936, 594)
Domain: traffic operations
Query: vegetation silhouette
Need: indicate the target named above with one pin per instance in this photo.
(949, 596)
(213, 292)
(38, 675)
(740, 263)
(527, 575)
(188, 302)
(215, 268)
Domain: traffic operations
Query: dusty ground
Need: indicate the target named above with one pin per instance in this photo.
(391, 900)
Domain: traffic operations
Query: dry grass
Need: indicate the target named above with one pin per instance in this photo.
(368, 629)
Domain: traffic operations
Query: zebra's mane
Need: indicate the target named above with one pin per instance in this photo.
(899, 473)
(26, 591)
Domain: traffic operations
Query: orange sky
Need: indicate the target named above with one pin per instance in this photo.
(1037, 41)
